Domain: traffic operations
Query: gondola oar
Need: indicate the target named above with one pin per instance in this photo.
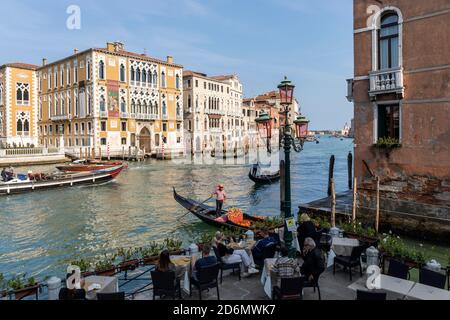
(196, 206)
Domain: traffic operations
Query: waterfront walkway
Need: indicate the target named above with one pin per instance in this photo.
(332, 287)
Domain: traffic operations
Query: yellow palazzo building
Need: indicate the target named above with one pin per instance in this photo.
(111, 99)
(18, 105)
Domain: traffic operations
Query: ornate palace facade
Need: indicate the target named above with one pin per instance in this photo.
(110, 99)
(213, 115)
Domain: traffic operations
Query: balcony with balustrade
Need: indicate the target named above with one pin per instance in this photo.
(61, 117)
(386, 82)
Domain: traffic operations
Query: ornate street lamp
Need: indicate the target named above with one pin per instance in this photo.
(264, 122)
(289, 142)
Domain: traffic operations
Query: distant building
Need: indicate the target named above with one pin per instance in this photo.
(18, 105)
(213, 115)
(401, 97)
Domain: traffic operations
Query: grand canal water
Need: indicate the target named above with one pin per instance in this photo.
(40, 232)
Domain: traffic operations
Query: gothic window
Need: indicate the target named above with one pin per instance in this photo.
(155, 78)
(144, 76)
(22, 94)
(101, 70)
(68, 74)
(132, 74)
(178, 109)
(122, 73)
(156, 108)
(69, 105)
(26, 126)
(164, 108)
(62, 76)
(19, 127)
(102, 103)
(388, 42)
(123, 106)
(133, 106)
(138, 75)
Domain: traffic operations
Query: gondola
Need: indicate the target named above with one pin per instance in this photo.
(208, 214)
(264, 179)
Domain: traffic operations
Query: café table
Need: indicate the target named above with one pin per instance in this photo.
(341, 247)
(424, 292)
(183, 268)
(107, 285)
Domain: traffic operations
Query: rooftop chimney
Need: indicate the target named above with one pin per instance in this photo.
(44, 61)
(75, 51)
(169, 59)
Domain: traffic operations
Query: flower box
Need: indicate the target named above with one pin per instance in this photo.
(362, 238)
(129, 265)
(150, 260)
(25, 292)
(106, 273)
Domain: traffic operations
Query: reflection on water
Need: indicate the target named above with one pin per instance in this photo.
(40, 232)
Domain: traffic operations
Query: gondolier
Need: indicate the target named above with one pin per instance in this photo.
(221, 196)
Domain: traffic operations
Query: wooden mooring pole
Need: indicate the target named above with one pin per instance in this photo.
(333, 204)
(377, 216)
(354, 201)
(330, 174)
(350, 170)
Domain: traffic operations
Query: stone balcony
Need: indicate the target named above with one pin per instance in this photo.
(386, 81)
(61, 117)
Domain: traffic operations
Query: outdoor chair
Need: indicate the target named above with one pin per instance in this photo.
(227, 266)
(368, 295)
(207, 279)
(313, 284)
(75, 294)
(353, 260)
(291, 289)
(398, 269)
(432, 278)
(111, 296)
(164, 284)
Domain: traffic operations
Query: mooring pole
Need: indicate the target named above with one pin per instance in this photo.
(330, 174)
(377, 217)
(354, 201)
(333, 204)
(350, 167)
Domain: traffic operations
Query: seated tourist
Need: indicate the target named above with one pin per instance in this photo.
(314, 263)
(231, 256)
(205, 261)
(258, 249)
(307, 229)
(285, 267)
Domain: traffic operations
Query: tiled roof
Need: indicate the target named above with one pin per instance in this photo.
(20, 65)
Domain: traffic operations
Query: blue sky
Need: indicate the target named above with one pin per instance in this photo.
(261, 40)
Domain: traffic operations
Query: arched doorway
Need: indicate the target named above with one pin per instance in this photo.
(145, 140)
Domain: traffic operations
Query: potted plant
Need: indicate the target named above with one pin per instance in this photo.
(22, 287)
(358, 231)
(387, 144)
(205, 238)
(129, 258)
(105, 267)
(84, 265)
(173, 245)
(150, 254)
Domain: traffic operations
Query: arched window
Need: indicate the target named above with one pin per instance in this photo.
(123, 106)
(155, 78)
(178, 109)
(122, 73)
(69, 105)
(19, 96)
(62, 106)
(163, 79)
(139, 110)
(144, 76)
(26, 126)
(101, 70)
(19, 126)
(132, 74)
(102, 103)
(133, 106)
(177, 81)
(164, 108)
(138, 75)
(388, 41)
(189, 102)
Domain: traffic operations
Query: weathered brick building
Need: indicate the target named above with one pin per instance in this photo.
(401, 95)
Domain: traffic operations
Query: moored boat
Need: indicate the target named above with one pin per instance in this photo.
(265, 178)
(208, 214)
(87, 166)
(37, 181)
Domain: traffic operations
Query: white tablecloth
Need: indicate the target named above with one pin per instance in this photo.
(343, 246)
(107, 284)
(424, 292)
(185, 267)
(266, 280)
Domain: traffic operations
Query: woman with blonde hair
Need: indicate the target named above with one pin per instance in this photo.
(307, 229)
